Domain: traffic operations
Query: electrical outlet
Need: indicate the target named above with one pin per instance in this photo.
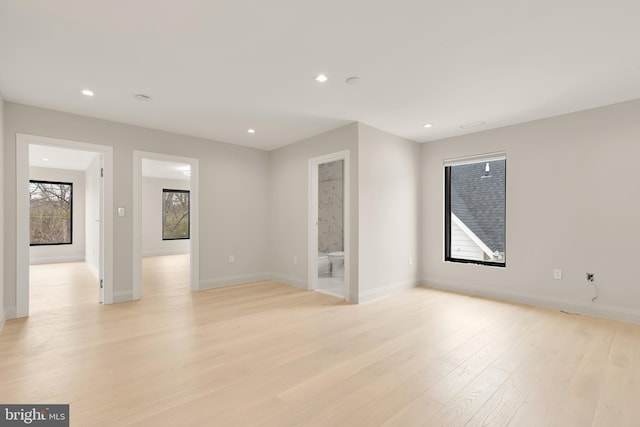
(557, 274)
(232, 259)
(410, 260)
(295, 259)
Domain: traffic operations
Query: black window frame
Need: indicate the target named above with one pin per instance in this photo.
(70, 184)
(447, 218)
(188, 192)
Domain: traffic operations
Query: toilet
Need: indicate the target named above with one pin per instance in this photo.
(324, 266)
(337, 263)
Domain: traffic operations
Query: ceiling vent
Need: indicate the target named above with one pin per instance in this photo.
(142, 97)
(473, 125)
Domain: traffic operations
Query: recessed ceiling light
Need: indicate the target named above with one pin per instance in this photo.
(44, 159)
(251, 131)
(87, 92)
(321, 78)
(427, 125)
(473, 125)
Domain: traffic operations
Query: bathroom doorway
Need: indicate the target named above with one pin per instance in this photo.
(328, 236)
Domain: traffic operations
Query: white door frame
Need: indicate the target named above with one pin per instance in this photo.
(22, 214)
(314, 164)
(194, 254)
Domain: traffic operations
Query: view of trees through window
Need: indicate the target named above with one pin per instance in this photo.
(175, 214)
(51, 209)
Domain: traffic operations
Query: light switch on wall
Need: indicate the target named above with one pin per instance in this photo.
(121, 212)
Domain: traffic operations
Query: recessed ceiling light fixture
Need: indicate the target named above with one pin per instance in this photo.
(321, 78)
(427, 125)
(44, 159)
(87, 92)
(251, 131)
(142, 97)
(473, 125)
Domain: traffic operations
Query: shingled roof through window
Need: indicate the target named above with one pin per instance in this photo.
(480, 202)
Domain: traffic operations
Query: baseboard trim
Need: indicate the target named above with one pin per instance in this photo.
(290, 281)
(570, 305)
(3, 318)
(10, 313)
(122, 296)
(383, 291)
(233, 280)
(164, 253)
(56, 260)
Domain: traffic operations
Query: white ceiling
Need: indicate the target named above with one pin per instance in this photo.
(218, 67)
(59, 158)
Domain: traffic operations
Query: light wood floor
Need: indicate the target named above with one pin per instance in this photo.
(265, 354)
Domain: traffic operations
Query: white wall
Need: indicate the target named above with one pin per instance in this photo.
(152, 243)
(572, 203)
(92, 215)
(289, 198)
(389, 219)
(233, 194)
(74, 251)
(2, 223)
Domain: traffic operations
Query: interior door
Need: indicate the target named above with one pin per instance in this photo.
(101, 232)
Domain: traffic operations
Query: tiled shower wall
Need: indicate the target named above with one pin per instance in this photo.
(330, 207)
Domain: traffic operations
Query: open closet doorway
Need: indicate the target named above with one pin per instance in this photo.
(165, 224)
(328, 224)
(63, 243)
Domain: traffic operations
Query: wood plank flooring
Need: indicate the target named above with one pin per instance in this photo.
(266, 354)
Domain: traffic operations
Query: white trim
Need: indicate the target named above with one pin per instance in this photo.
(56, 260)
(3, 318)
(290, 281)
(312, 233)
(387, 290)
(10, 312)
(22, 213)
(479, 158)
(472, 235)
(194, 246)
(570, 305)
(223, 282)
(122, 296)
(164, 253)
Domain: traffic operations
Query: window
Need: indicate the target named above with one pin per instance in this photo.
(175, 214)
(475, 194)
(51, 213)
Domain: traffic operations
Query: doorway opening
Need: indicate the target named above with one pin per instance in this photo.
(64, 228)
(328, 224)
(165, 220)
